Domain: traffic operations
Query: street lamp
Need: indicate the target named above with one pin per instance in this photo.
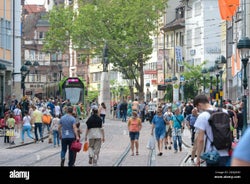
(220, 63)
(221, 88)
(204, 71)
(211, 71)
(2, 69)
(175, 98)
(243, 47)
(182, 82)
(217, 89)
(24, 72)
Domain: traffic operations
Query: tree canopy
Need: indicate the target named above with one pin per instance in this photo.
(126, 26)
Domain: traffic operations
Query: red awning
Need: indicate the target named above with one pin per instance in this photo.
(228, 8)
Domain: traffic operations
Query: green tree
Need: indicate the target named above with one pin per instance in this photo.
(126, 26)
(194, 79)
(59, 35)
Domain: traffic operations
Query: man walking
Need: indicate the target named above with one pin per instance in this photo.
(68, 133)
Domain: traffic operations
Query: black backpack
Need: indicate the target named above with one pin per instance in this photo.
(220, 124)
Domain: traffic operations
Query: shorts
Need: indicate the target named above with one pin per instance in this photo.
(18, 119)
(169, 132)
(134, 135)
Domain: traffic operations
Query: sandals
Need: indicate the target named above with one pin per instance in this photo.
(137, 153)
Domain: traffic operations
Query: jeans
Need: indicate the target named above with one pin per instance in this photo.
(103, 118)
(66, 143)
(124, 116)
(192, 133)
(38, 127)
(176, 134)
(26, 128)
(46, 126)
(56, 137)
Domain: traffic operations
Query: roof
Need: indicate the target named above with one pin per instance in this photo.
(175, 24)
(33, 8)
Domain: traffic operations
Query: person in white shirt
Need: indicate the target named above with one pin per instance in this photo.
(26, 126)
(204, 129)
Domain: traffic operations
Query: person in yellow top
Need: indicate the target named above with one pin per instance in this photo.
(134, 128)
(37, 119)
(11, 125)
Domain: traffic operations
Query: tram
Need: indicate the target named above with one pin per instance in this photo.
(72, 88)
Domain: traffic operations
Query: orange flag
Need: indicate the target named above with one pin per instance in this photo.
(228, 8)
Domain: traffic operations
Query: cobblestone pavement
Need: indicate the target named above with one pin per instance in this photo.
(117, 142)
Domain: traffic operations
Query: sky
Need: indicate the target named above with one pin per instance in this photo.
(39, 2)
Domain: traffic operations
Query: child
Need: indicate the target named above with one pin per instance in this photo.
(10, 122)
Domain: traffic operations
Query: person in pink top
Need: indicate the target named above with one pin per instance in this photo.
(134, 127)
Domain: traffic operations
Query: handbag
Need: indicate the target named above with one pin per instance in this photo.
(50, 138)
(85, 146)
(151, 143)
(10, 133)
(211, 157)
(76, 146)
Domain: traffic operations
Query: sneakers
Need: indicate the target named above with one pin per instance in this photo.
(62, 162)
(175, 151)
(180, 148)
(159, 154)
(90, 160)
(94, 162)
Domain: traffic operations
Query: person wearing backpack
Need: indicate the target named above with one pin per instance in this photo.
(206, 138)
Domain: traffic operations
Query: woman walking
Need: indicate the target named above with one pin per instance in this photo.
(26, 126)
(102, 111)
(95, 135)
(159, 127)
(134, 128)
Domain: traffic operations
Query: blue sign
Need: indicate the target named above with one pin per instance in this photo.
(239, 75)
(182, 78)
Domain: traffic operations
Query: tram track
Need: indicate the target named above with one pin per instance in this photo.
(115, 151)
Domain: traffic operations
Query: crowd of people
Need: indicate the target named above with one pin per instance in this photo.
(167, 120)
